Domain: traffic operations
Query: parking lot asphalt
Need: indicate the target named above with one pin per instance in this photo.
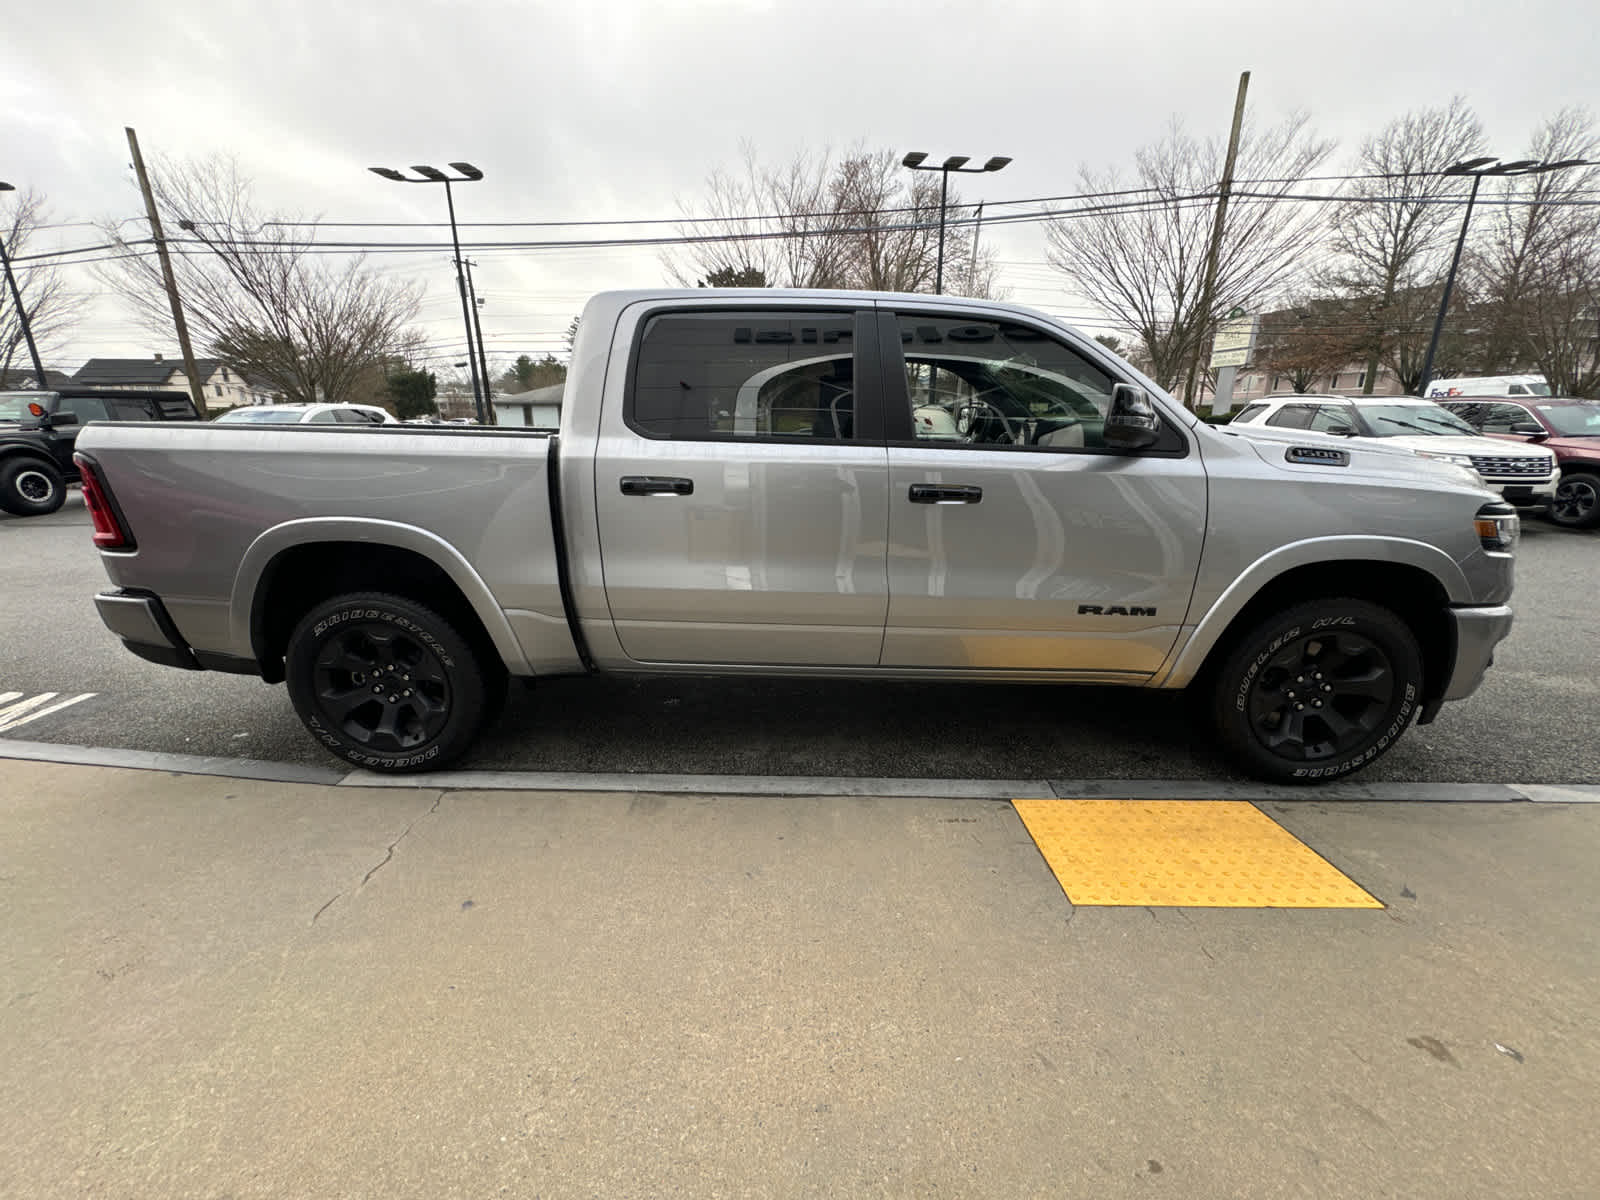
(219, 986)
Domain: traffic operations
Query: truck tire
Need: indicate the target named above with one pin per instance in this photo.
(1317, 691)
(1576, 503)
(387, 684)
(31, 487)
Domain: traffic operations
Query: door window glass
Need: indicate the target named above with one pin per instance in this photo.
(1293, 416)
(326, 417)
(1330, 416)
(755, 375)
(131, 408)
(1499, 418)
(999, 384)
(85, 408)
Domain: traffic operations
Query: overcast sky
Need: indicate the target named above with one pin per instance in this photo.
(597, 110)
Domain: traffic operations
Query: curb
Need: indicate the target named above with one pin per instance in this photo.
(802, 785)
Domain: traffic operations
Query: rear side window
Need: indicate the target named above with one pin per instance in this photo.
(1292, 416)
(131, 408)
(745, 375)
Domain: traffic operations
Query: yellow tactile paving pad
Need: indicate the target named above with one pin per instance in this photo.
(1182, 853)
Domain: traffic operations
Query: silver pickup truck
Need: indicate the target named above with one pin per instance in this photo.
(811, 483)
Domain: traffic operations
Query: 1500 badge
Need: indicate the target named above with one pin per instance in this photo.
(1115, 610)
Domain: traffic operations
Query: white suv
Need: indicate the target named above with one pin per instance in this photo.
(308, 414)
(1523, 475)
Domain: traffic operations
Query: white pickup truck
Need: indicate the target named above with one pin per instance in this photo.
(811, 483)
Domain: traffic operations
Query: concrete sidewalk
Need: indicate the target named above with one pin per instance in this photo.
(222, 986)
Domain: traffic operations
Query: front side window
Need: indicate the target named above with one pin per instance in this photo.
(85, 408)
(1329, 417)
(1249, 413)
(997, 383)
(1499, 418)
(754, 375)
(326, 417)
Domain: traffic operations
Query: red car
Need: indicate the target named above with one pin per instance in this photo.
(1567, 427)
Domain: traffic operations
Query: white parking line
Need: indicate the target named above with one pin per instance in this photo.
(15, 712)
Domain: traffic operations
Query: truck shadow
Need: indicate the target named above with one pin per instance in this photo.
(849, 728)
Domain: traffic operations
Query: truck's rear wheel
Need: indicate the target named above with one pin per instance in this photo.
(31, 488)
(1317, 691)
(385, 683)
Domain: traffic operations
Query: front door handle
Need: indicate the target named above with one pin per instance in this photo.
(656, 485)
(945, 493)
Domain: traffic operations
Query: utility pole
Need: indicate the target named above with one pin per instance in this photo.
(485, 417)
(1209, 286)
(977, 228)
(197, 390)
(16, 298)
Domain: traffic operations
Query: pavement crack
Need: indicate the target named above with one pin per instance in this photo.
(325, 907)
(365, 879)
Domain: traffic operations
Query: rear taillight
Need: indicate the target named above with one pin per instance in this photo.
(110, 531)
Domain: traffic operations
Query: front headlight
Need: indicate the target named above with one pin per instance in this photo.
(1460, 460)
(1498, 527)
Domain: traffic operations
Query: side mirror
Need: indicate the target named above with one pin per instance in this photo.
(1340, 431)
(1131, 423)
(55, 420)
(1530, 429)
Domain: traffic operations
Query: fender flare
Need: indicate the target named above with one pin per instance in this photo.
(1188, 655)
(309, 531)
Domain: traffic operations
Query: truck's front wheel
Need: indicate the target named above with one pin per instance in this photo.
(385, 683)
(31, 488)
(1317, 691)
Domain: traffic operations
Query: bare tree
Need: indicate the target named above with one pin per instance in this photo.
(1313, 336)
(261, 298)
(1393, 233)
(1535, 271)
(862, 221)
(52, 307)
(1142, 258)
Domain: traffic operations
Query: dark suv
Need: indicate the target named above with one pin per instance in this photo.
(39, 429)
(1568, 428)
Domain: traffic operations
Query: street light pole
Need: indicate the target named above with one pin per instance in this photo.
(957, 163)
(1477, 168)
(468, 174)
(483, 359)
(16, 298)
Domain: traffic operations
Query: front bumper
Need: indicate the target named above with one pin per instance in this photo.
(1524, 492)
(1477, 632)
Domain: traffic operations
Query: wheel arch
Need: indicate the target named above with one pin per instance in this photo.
(294, 566)
(1413, 591)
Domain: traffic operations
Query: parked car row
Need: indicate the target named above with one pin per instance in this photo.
(1536, 451)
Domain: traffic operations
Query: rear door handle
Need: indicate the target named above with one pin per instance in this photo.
(945, 493)
(656, 485)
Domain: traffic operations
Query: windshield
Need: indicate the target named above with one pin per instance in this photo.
(1573, 420)
(1407, 420)
(14, 405)
(262, 416)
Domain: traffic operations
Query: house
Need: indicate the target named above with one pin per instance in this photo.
(222, 385)
(20, 379)
(539, 408)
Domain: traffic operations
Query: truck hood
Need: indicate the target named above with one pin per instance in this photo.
(1462, 445)
(1368, 456)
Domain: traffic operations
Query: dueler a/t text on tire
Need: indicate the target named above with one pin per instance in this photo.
(1317, 691)
(386, 683)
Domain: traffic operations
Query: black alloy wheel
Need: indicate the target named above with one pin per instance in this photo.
(1321, 696)
(388, 684)
(1576, 504)
(1317, 691)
